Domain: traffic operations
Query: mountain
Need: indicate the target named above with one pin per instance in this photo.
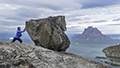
(92, 33)
(114, 36)
(73, 35)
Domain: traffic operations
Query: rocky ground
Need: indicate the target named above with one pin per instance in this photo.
(113, 51)
(16, 55)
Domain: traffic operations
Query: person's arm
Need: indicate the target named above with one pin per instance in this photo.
(22, 31)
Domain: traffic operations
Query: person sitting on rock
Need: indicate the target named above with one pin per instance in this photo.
(18, 35)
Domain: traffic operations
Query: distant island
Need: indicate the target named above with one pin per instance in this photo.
(91, 33)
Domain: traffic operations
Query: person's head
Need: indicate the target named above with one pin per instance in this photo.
(19, 28)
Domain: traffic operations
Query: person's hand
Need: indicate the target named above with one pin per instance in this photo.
(25, 29)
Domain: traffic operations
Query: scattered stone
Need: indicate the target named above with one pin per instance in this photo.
(98, 57)
(113, 63)
(49, 33)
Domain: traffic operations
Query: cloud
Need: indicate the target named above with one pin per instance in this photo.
(79, 13)
(51, 4)
(28, 12)
(74, 29)
(113, 24)
(116, 19)
(97, 3)
(99, 21)
(74, 19)
(101, 17)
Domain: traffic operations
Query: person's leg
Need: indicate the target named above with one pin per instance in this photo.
(14, 40)
(19, 40)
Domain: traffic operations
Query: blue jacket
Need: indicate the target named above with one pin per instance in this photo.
(19, 33)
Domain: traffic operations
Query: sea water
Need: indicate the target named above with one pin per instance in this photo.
(92, 48)
(85, 48)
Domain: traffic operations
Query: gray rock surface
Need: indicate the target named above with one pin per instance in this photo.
(17, 55)
(114, 63)
(92, 33)
(99, 57)
(112, 51)
(49, 33)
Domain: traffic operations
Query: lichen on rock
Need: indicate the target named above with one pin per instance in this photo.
(49, 33)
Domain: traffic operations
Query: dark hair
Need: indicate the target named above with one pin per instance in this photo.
(18, 28)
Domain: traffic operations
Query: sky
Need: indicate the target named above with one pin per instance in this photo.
(79, 14)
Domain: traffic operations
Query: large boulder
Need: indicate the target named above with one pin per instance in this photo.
(49, 33)
(17, 55)
(112, 51)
